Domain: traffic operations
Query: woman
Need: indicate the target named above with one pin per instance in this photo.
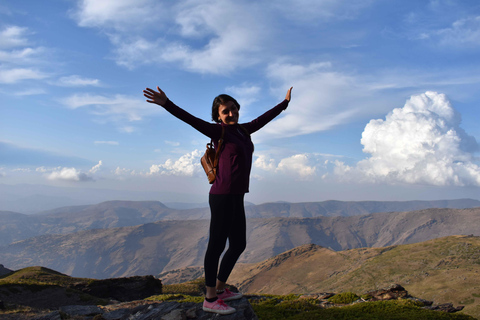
(228, 191)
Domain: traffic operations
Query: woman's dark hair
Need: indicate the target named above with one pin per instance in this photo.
(221, 99)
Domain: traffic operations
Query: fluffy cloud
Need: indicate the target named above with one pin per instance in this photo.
(120, 15)
(117, 108)
(13, 36)
(19, 74)
(321, 99)
(299, 166)
(17, 58)
(69, 174)
(421, 143)
(213, 23)
(186, 165)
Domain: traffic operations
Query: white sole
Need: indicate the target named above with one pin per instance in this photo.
(219, 311)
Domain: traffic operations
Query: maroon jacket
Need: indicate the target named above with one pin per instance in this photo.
(235, 163)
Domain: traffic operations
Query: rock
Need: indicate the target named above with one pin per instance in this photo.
(395, 291)
(55, 315)
(176, 314)
(153, 310)
(317, 296)
(121, 289)
(81, 310)
(446, 307)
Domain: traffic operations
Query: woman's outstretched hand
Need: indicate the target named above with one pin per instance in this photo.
(289, 94)
(159, 97)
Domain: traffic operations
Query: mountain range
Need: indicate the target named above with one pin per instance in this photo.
(94, 242)
(112, 214)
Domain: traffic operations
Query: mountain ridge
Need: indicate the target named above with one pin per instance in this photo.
(122, 213)
(156, 247)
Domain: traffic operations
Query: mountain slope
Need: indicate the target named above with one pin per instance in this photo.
(167, 245)
(444, 270)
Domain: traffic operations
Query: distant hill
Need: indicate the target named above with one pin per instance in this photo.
(167, 245)
(445, 270)
(333, 208)
(4, 271)
(113, 214)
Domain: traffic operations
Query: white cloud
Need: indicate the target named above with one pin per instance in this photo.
(96, 167)
(245, 94)
(69, 174)
(299, 166)
(117, 108)
(227, 32)
(123, 171)
(232, 32)
(22, 56)
(19, 74)
(13, 36)
(462, 32)
(186, 165)
(264, 163)
(421, 143)
(321, 98)
(121, 15)
(77, 81)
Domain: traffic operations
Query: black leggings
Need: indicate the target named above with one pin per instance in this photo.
(227, 222)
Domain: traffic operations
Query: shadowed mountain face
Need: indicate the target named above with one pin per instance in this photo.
(166, 245)
(114, 214)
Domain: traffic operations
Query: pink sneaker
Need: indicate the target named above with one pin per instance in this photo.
(228, 295)
(218, 306)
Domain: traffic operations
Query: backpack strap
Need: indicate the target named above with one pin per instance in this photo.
(219, 146)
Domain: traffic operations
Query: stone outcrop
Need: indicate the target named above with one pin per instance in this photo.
(121, 289)
(396, 291)
(150, 310)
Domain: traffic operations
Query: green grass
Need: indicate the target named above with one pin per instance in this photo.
(304, 309)
(343, 298)
(292, 307)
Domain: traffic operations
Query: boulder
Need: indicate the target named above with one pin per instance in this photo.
(446, 307)
(167, 310)
(121, 289)
(395, 291)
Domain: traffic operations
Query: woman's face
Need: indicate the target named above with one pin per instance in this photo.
(228, 113)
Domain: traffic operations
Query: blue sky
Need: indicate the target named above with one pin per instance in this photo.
(384, 105)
